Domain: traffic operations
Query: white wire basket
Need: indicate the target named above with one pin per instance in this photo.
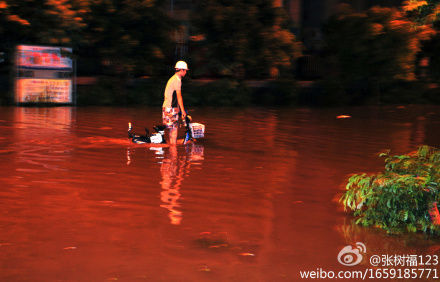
(197, 130)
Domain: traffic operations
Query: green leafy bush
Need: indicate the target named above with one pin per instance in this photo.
(400, 198)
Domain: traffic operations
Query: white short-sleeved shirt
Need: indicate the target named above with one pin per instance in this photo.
(170, 96)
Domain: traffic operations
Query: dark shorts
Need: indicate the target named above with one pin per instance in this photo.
(170, 117)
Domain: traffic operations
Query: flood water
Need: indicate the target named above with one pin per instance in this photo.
(253, 201)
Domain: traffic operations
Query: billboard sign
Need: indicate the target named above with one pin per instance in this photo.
(44, 74)
(44, 57)
(37, 90)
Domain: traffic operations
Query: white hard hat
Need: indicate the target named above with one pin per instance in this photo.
(181, 65)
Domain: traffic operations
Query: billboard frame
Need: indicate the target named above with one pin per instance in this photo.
(48, 76)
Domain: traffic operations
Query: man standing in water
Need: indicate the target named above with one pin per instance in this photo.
(173, 102)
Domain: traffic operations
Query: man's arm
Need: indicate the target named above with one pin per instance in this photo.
(180, 102)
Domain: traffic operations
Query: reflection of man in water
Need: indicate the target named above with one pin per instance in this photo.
(173, 171)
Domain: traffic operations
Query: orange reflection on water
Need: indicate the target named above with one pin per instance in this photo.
(173, 170)
(42, 137)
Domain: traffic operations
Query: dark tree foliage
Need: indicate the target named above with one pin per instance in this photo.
(126, 37)
(373, 49)
(243, 38)
(424, 13)
(117, 37)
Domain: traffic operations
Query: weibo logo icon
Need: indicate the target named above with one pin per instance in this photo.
(350, 256)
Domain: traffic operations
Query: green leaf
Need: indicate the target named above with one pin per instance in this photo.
(389, 203)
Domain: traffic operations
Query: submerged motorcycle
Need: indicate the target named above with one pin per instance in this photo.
(193, 131)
